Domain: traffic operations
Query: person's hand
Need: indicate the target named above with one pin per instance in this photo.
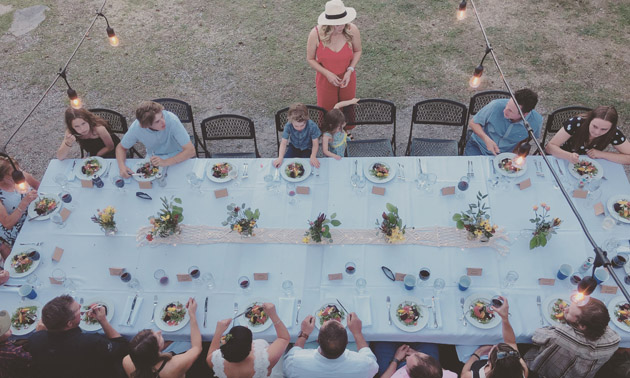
(269, 308)
(40, 326)
(346, 79)
(30, 197)
(574, 158)
(483, 350)
(99, 313)
(314, 162)
(277, 162)
(504, 310)
(402, 352)
(157, 161)
(594, 154)
(222, 325)
(125, 172)
(492, 146)
(4, 276)
(192, 307)
(333, 79)
(354, 323)
(308, 324)
(69, 140)
(337, 157)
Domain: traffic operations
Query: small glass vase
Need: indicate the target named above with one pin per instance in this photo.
(471, 236)
(110, 231)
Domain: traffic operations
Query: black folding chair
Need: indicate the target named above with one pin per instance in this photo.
(478, 101)
(372, 112)
(117, 125)
(228, 127)
(436, 112)
(315, 113)
(183, 111)
(558, 117)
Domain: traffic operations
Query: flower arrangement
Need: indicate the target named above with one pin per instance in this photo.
(476, 220)
(545, 227)
(320, 228)
(391, 226)
(167, 221)
(241, 219)
(105, 219)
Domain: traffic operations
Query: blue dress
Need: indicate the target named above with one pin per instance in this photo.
(338, 143)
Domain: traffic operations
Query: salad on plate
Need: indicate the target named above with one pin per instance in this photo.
(622, 208)
(221, 170)
(408, 313)
(45, 206)
(508, 165)
(481, 312)
(173, 313)
(21, 262)
(90, 167)
(256, 315)
(89, 317)
(556, 310)
(294, 170)
(622, 313)
(585, 168)
(330, 312)
(379, 170)
(24, 317)
(147, 170)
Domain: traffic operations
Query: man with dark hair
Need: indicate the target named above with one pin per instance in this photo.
(498, 126)
(332, 359)
(576, 349)
(61, 349)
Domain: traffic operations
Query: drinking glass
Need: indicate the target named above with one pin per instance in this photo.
(287, 287)
(496, 301)
(161, 276)
(65, 196)
(438, 286)
(233, 175)
(424, 274)
(134, 284)
(462, 186)
(361, 283)
(576, 277)
(118, 182)
(243, 283)
(361, 184)
(208, 279)
(409, 281)
(464, 283)
(194, 181)
(33, 280)
(27, 291)
(194, 272)
(291, 193)
(62, 180)
(125, 276)
(351, 268)
(59, 275)
(431, 179)
(421, 181)
(58, 220)
(510, 278)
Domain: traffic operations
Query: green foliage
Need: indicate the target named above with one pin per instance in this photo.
(319, 229)
(241, 219)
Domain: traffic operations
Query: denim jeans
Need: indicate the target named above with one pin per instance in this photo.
(293, 152)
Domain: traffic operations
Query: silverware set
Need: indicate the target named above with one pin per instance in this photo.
(401, 172)
(35, 244)
(435, 322)
(539, 169)
(245, 174)
(471, 169)
(538, 302)
(235, 311)
(463, 317)
(205, 312)
(155, 302)
(389, 314)
(133, 306)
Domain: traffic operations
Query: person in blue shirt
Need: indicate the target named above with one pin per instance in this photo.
(300, 137)
(163, 135)
(498, 126)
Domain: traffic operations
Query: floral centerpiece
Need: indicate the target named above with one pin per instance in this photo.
(105, 219)
(241, 219)
(476, 220)
(320, 228)
(166, 222)
(391, 226)
(545, 227)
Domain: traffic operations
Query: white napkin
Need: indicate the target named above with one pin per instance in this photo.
(363, 308)
(199, 168)
(127, 310)
(286, 307)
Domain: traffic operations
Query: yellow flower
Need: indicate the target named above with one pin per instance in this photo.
(488, 228)
(396, 236)
(237, 228)
(306, 239)
(478, 232)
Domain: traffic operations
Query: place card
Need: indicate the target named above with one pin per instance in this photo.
(261, 276)
(184, 277)
(474, 271)
(303, 190)
(65, 213)
(546, 281)
(525, 184)
(220, 193)
(448, 190)
(87, 184)
(599, 208)
(335, 276)
(378, 190)
(579, 193)
(116, 271)
(399, 277)
(54, 281)
(145, 184)
(607, 289)
(57, 254)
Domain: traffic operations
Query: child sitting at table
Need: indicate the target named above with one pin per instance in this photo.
(335, 138)
(300, 136)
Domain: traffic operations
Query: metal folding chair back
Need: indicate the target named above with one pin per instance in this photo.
(229, 127)
(478, 101)
(117, 125)
(558, 117)
(372, 112)
(440, 112)
(315, 113)
(184, 112)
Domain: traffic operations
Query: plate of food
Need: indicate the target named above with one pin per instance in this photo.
(90, 167)
(619, 311)
(408, 315)
(24, 318)
(255, 318)
(171, 315)
(329, 310)
(379, 172)
(219, 172)
(88, 319)
(44, 206)
(478, 311)
(144, 171)
(295, 170)
(506, 165)
(20, 264)
(619, 207)
(586, 168)
(554, 307)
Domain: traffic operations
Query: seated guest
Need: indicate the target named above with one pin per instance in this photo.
(236, 355)
(13, 205)
(13, 359)
(387, 352)
(61, 349)
(414, 365)
(332, 359)
(504, 360)
(146, 359)
(590, 134)
(300, 137)
(498, 126)
(161, 132)
(576, 349)
(91, 131)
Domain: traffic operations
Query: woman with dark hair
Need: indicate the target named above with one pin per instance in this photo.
(236, 355)
(146, 360)
(503, 361)
(590, 134)
(91, 131)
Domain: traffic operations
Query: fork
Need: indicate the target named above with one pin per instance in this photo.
(245, 175)
(463, 318)
(542, 323)
(471, 169)
(35, 244)
(539, 170)
(401, 172)
(155, 300)
(297, 315)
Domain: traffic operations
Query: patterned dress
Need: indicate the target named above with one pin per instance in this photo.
(10, 201)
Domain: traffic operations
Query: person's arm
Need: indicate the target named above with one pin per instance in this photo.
(102, 133)
(356, 49)
(121, 157)
(314, 161)
(311, 49)
(355, 325)
(490, 144)
(277, 348)
(508, 333)
(553, 147)
(10, 220)
(623, 157)
(128, 366)
(400, 354)
(343, 104)
(32, 181)
(308, 324)
(325, 140)
(481, 351)
(188, 152)
(101, 316)
(281, 152)
(66, 145)
(222, 326)
(183, 362)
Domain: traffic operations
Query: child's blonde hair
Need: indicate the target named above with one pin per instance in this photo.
(332, 120)
(297, 113)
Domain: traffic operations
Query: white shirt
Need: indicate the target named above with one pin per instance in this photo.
(309, 363)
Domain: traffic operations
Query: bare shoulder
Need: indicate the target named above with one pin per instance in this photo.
(353, 29)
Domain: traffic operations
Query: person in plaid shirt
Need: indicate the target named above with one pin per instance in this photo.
(14, 360)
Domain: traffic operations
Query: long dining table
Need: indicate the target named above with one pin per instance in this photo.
(89, 253)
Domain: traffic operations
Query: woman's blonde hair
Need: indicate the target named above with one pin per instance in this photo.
(327, 33)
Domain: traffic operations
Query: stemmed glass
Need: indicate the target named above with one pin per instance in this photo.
(462, 186)
(287, 287)
(438, 286)
(510, 278)
(243, 283)
(291, 192)
(234, 176)
(361, 184)
(361, 283)
(161, 276)
(430, 181)
(62, 180)
(119, 182)
(208, 279)
(194, 181)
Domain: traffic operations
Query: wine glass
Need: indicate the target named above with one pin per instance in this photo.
(161, 276)
(291, 192)
(510, 278)
(194, 181)
(424, 274)
(62, 180)
(351, 268)
(233, 175)
(438, 286)
(361, 184)
(208, 279)
(119, 182)
(361, 283)
(287, 287)
(462, 186)
(430, 181)
(243, 283)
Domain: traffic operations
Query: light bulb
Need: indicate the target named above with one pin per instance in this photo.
(75, 103)
(461, 14)
(475, 81)
(114, 41)
(22, 187)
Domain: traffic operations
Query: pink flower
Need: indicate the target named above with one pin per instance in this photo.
(149, 237)
(535, 208)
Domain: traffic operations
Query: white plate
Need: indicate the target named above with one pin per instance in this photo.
(99, 173)
(305, 163)
(323, 305)
(31, 328)
(212, 178)
(139, 164)
(422, 320)
(15, 252)
(574, 173)
(611, 201)
(509, 155)
(245, 322)
(31, 206)
(611, 310)
(548, 305)
(367, 168)
(96, 326)
(485, 297)
(159, 311)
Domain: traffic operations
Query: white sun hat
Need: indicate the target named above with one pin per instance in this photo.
(336, 13)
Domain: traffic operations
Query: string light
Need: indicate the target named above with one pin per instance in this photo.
(75, 101)
(18, 177)
(111, 35)
(461, 11)
(475, 80)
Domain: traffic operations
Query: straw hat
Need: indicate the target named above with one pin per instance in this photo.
(5, 322)
(336, 14)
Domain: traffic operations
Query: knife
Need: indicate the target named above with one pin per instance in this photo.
(133, 305)
(540, 310)
(342, 306)
(297, 315)
(205, 313)
(155, 301)
(389, 313)
(235, 311)
(8, 285)
(420, 166)
(35, 217)
(559, 169)
(435, 323)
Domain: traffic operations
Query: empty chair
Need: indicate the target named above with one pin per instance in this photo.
(558, 117)
(183, 111)
(372, 112)
(478, 101)
(437, 112)
(315, 113)
(228, 127)
(117, 124)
